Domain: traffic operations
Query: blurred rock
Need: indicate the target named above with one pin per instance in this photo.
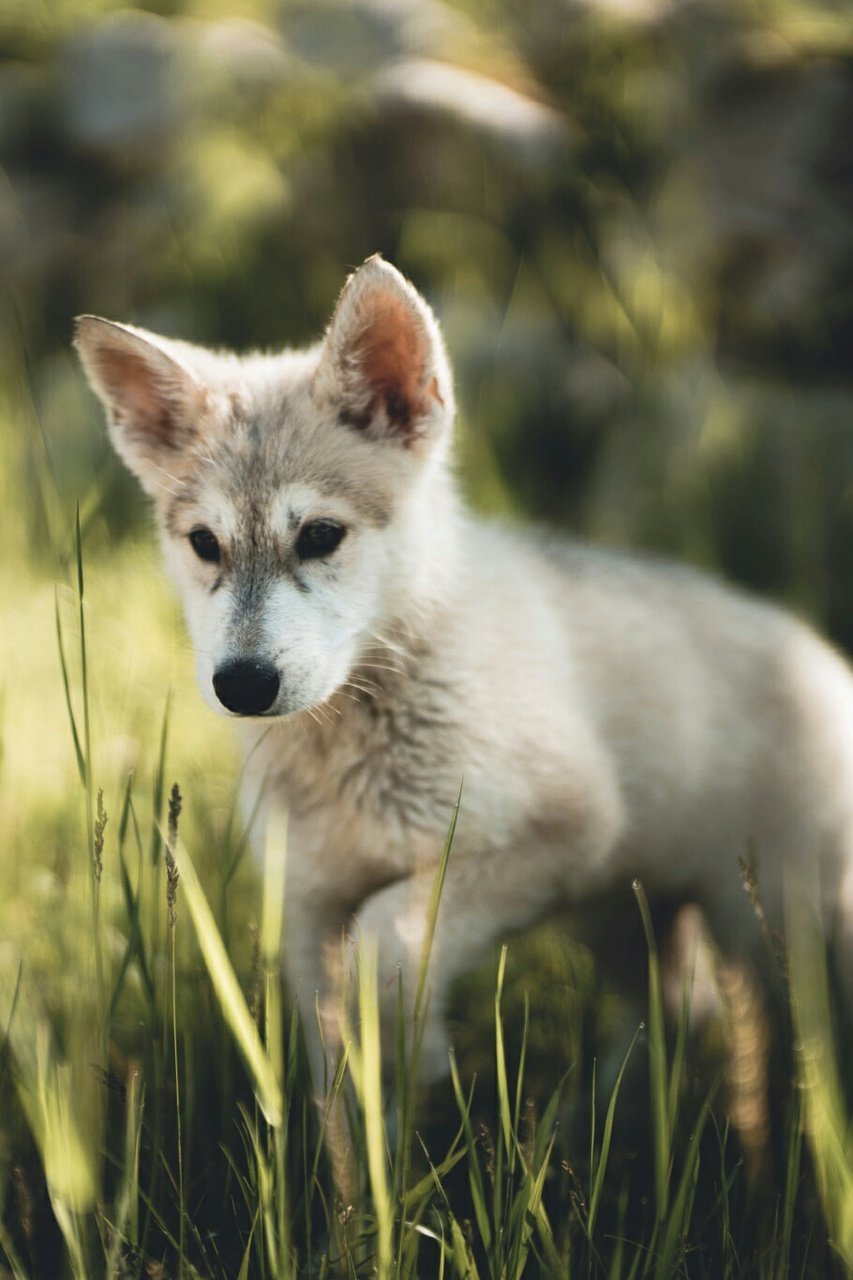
(476, 101)
(22, 87)
(361, 35)
(120, 86)
(253, 55)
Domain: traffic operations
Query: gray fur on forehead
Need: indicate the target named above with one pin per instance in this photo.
(269, 433)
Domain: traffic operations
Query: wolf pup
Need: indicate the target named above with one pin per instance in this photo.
(611, 717)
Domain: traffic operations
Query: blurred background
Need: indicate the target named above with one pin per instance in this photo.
(633, 218)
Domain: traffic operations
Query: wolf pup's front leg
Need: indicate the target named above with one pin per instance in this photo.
(487, 894)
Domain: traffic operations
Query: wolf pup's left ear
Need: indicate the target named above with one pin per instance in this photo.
(152, 402)
(383, 367)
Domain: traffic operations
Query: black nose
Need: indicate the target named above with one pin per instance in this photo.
(245, 687)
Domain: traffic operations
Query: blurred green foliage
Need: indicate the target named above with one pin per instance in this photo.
(632, 216)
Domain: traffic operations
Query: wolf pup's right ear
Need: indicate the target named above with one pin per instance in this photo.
(383, 368)
(152, 402)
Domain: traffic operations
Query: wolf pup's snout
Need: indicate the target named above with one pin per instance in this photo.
(247, 687)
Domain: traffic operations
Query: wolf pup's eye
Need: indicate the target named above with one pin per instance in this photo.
(204, 544)
(318, 538)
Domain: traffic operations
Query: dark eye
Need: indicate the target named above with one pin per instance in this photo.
(204, 544)
(318, 538)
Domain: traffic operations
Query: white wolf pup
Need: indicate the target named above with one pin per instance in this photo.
(611, 717)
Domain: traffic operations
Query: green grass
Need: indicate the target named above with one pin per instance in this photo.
(155, 1119)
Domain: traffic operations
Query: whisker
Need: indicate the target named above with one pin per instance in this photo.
(324, 710)
(359, 688)
(363, 683)
(182, 484)
(320, 713)
(391, 644)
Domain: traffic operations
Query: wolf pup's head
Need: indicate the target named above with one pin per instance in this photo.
(295, 492)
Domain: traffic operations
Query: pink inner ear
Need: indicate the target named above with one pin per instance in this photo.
(145, 406)
(392, 354)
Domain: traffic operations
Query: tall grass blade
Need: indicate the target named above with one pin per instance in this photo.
(6, 1243)
(231, 999)
(792, 1178)
(668, 1261)
(124, 815)
(463, 1259)
(243, 1273)
(432, 1180)
(135, 945)
(657, 1064)
(264, 1194)
(500, 1059)
(126, 1227)
(407, 1072)
(272, 925)
(522, 1062)
(272, 908)
(534, 1218)
(47, 1096)
(432, 909)
(158, 790)
(69, 706)
(369, 1083)
(10, 1018)
(84, 666)
(599, 1168)
(11, 1256)
(475, 1177)
(825, 1120)
(676, 1071)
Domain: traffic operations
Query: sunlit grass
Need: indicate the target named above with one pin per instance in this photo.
(155, 1109)
(138, 656)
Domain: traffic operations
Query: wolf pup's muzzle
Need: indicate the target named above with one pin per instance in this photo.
(246, 686)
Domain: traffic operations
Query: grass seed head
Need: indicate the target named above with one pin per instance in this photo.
(172, 876)
(98, 843)
(175, 806)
